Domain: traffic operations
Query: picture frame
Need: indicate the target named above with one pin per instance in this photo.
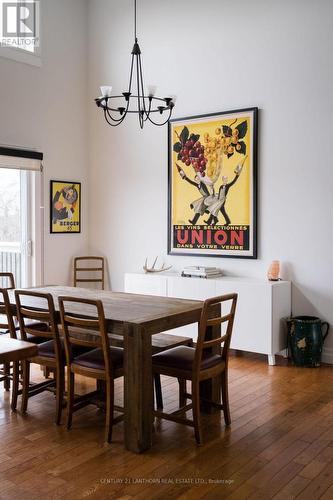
(212, 184)
(65, 207)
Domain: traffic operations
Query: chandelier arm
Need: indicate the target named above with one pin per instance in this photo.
(141, 120)
(128, 103)
(149, 110)
(131, 74)
(140, 112)
(109, 122)
(122, 114)
(143, 91)
(109, 119)
(115, 119)
(161, 124)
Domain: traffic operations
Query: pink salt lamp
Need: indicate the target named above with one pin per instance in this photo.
(273, 273)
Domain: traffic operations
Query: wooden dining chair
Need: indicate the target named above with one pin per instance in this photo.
(8, 327)
(8, 324)
(7, 281)
(208, 360)
(86, 267)
(104, 363)
(37, 325)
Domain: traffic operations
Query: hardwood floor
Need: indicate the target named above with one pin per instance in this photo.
(280, 445)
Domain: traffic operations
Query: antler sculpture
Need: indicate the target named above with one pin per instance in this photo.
(153, 269)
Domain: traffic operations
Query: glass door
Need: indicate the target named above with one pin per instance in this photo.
(18, 224)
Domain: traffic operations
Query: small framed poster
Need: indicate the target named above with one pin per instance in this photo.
(213, 185)
(65, 203)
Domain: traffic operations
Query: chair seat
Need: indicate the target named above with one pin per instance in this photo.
(36, 340)
(182, 357)
(46, 349)
(95, 360)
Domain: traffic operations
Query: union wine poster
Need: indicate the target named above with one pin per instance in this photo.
(213, 184)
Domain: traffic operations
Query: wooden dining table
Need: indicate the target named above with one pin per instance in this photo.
(15, 350)
(136, 318)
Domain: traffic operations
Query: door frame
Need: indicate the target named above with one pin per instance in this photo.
(32, 227)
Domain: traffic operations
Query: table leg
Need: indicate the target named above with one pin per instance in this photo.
(138, 389)
(211, 389)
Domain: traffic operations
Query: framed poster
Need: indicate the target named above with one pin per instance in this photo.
(213, 184)
(65, 203)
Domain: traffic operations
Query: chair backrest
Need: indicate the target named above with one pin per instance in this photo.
(7, 281)
(207, 322)
(75, 326)
(86, 267)
(41, 322)
(6, 316)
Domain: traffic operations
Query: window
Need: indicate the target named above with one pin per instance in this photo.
(20, 30)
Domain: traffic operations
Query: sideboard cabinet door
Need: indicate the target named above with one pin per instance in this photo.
(146, 285)
(253, 319)
(191, 288)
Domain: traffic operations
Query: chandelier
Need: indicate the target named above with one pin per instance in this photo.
(144, 105)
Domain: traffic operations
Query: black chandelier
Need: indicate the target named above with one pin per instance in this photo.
(116, 107)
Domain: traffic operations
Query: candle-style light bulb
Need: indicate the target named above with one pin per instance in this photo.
(151, 89)
(106, 90)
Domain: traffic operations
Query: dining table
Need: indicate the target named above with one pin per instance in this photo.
(15, 350)
(137, 318)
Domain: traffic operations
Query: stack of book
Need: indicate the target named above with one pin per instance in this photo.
(201, 272)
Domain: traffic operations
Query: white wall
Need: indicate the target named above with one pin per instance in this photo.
(45, 109)
(219, 55)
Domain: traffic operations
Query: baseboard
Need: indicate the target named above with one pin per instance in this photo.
(327, 355)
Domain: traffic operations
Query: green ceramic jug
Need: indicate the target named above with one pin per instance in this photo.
(306, 336)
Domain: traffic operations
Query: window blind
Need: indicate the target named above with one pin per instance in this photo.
(20, 159)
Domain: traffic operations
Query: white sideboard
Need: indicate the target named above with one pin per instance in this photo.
(261, 306)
